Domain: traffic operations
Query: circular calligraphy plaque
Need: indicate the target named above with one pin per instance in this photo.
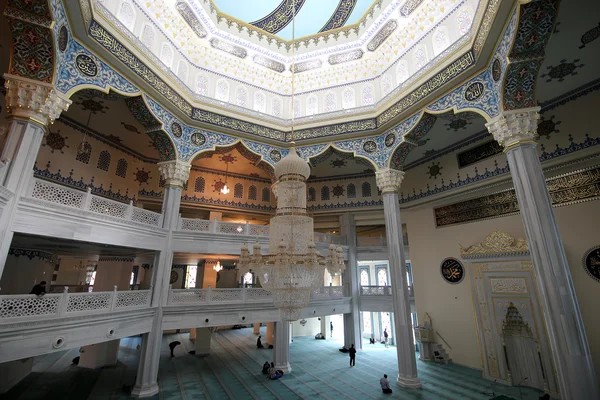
(452, 270)
(63, 38)
(86, 65)
(370, 146)
(496, 70)
(174, 277)
(474, 91)
(275, 155)
(198, 138)
(390, 139)
(176, 129)
(591, 262)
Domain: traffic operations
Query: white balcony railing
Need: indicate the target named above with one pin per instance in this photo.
(381, 291)
(66, 196)
(240, 295)
(56, 305)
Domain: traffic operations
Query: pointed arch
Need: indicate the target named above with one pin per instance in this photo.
(166, 55)
(201, 87)
(297, 108)
(366, 189)
(332, 149)
(266, 195)
(127, 15)
(199, 185)
(182, 71)
(348, 98)
(330, 102)
(148, 37)
(324, 193)
(222, 90)
(121, 168)
(238, 191)
(252, 193)
(441, 39)
(420, 57)
(351, 191)
(368, 97)
(103, 161)
(260, 102)
(464, 20)
(415, 135)
(241, 96)
(386, 85)
(312, 194)
(402, 72)
(312, 105)
(84, 156)
(276, 106)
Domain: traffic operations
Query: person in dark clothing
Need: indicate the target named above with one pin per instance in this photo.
(259, 343)
(39, 289)
(385, 385)
(265, 368)
(172, 346)
(331, 328)
(352, 352)
(385, 336)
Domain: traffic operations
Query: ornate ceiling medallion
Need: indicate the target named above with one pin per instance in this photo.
(474, 91)
(591, 263)
(176, 129)
(63, 38)
(190, 18)
(307, 66)
(452, 270)
(390, 139)
(346, 57)
(268, 63)
(370, 146)
(383, 34)
(228, 48)
(275, 155)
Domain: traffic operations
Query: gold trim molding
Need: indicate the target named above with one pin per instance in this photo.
(496, 244)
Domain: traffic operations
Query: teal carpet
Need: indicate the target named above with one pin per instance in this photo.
(233, 371)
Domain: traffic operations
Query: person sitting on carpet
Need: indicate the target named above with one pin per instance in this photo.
(265, 369)
(385, 384)
(259, 343)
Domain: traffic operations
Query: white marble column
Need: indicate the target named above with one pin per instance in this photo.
(352, 329)
(175, 173)
(31, 106)
(516, 131)
(281, 350)
(389, 181)
(269, 334)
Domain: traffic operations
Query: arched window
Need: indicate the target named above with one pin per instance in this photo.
(386, 85)
(121, 168)
(276, 107)
(367, 323)
(166, 55)
(402, 73)
(324, 193)
(104, 161)
(148, 37)
(260, 102)
(182, 71)
(368, 96)
(420, 57)
(364, 277)
(241, 96)
(84, 156)
(201, 85)
(238, 191)
(312, 194)
(199, 185)
(351, 191)
(330, 102)
(441, 40)
(252, 193)
(348, 98)
(366, 189)
(127, 15)
(464, 19)
(382, 278)
(297, 108)
(266, 194)
(222, 91)
(312, 105)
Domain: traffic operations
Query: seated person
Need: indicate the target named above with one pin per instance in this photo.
(385, 385)
(265, 368)
(259, 343)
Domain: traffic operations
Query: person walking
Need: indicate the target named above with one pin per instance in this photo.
(331, 328)
(352, 353)
(385, 338)
(385, 385)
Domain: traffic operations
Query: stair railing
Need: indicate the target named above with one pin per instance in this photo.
(444, 340)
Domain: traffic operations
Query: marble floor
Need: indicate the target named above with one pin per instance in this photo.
(233, 371)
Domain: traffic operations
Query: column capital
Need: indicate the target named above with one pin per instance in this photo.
(389, 180)
(35, 100)
(515, 126)
(175, 172)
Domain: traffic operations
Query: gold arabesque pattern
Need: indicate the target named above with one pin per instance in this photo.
(496, 243)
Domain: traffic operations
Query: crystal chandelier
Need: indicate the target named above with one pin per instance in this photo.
(294, 268)
(218, 267)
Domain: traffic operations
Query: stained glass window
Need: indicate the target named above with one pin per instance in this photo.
(241, 96)
(330, 102)
(441, 40)
(367, 322)
(324, 193)
(121, 168)
(382, 279)
(366, 189)
(201, 85)
(166, 55)
(402, 72)
(420, 57)
(190, 276)
(104, 161)
(260, 102)
(386, 85)
(127, 15)
(312, 105)
(364, 277)
(238, 191)
(148, 37)
(348, 96)
(266, 194)
(252, 192)
(182, 71)
(222, 90)
(312, 195)
(368, 96)
(464, 19)
(351, 191)
(276, 107)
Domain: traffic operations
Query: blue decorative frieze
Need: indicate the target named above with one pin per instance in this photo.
(226, 203)
(351, 204)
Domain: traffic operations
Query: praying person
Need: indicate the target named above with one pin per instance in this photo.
(265, 368)
(385, 336)
(385, 384)
(352, 353)
(259, 343)
(172, 346)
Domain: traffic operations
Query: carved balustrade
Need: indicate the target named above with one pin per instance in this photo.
(381, 291)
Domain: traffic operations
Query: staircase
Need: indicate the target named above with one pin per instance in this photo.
(440, 355)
